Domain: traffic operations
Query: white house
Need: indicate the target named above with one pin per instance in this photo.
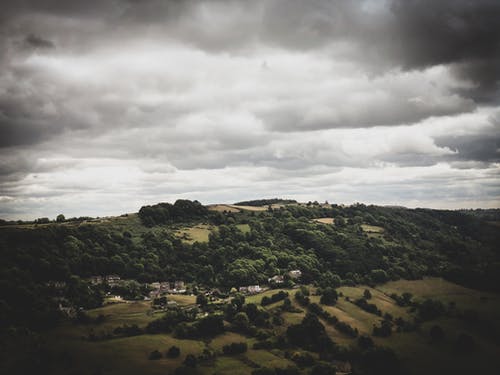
(295, 274)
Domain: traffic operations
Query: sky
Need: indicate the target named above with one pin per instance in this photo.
(109, 105)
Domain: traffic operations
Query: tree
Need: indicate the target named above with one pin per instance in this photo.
(173, 352)
(329, 296)
(235, 348)
(60, 218)
(190, 361)
(379, 276)
(155, 354)
(367, 294)
(201, 300)
(238, 301)
(211, 325)
(241, 321)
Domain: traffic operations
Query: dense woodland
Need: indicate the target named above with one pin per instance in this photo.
(459, 246)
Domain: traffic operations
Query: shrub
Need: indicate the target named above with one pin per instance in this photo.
(173, 352)
(154, 355)
(329, 296)
(235, 348)
(190, 361)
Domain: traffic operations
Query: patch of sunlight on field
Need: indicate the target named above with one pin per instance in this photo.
(265, 358)
(325, 220)
(245, 228)
(350, 314)
(182, 299)
(118, 314)
(223, 208)
(293, 317)
(257, 298)
(198, 233)
(371, 228)
(380, 299)
(445, 291)
(362, 320)
(249, 208)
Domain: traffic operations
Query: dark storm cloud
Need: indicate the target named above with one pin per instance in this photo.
(124, 98)
(38, 42)
(460, 32)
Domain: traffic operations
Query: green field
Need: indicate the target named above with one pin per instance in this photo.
(130, 355)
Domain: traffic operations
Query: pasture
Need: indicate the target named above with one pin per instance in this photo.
(129, 355)
(325, 220)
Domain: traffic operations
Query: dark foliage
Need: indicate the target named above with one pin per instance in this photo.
(173, 352)
(310, 334)
(155, 354)
(235, 348)
(280, 296)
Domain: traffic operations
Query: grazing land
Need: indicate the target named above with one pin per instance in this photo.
(129, 355)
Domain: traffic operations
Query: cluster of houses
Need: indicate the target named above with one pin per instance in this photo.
(178, 287)
(251, 289)
(111, 280)
(162, 287)
(276, 279)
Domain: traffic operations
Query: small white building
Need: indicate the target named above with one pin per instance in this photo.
(94, 280)
(251, 289)
(295, 274)
(277, 279)
(112, 280)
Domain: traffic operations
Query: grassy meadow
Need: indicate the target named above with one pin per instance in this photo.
(129, 355)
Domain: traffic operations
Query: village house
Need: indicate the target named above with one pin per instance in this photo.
(277, 279)
(179, 287)
(57, 285)
(112, 280)
(251, 289)
(295, 274)
(95, 280)
(159, 287)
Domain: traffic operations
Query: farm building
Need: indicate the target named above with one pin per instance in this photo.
(112, 280)
(251, 289)
(295, 274)
(277, 279)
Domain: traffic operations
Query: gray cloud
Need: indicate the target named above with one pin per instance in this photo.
(38, 42)
(154, 99)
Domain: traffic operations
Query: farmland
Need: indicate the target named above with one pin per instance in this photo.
(340, 286)
(129, 355)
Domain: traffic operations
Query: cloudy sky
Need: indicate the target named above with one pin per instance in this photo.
(109, 105)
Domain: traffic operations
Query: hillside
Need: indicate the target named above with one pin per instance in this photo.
(49, 270)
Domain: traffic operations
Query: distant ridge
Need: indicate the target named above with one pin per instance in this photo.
(263, 202)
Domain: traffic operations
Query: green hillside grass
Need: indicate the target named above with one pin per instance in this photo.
(418, 356)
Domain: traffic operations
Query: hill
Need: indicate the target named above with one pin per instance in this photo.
(51, 270)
